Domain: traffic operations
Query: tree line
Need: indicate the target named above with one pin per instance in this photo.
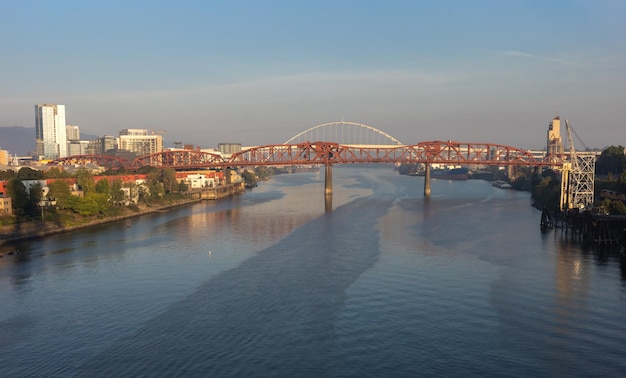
(99, 198)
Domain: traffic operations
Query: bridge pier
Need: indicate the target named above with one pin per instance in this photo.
(227, 176)
(427, 181)
(328, 203)
(328, 179)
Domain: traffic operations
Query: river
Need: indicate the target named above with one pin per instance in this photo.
(269, 283)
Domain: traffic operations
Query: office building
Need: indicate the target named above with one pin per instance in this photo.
(554, 143)
(139, 142)
(50, 131)
(72, 132)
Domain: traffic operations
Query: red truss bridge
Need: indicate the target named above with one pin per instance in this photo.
(337, 143)
(435, 152)
(352, 143)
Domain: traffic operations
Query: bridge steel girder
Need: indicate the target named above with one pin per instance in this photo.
(425, 152)
(327, 153)
(180, 159)
(107, 161)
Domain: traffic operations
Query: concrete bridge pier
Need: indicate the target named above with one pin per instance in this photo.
(427, 181)
(227, 176)
(328, 180)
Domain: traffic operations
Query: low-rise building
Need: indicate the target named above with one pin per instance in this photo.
(6, 206)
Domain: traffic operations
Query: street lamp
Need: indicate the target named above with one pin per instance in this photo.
(42, 203)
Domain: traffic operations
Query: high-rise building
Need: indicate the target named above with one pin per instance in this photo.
(554, 144)
(73, 132)
(139, 142)
(50, 131)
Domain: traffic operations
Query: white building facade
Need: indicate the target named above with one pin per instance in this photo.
(139, 142)
(50, 130)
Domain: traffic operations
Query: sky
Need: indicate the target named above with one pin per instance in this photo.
(261, 71)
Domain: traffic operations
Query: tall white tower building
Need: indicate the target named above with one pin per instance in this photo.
(50, 130)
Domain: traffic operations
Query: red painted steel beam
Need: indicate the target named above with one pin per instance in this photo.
(433, 152)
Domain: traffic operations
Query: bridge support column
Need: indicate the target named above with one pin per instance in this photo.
(227, 176)
(427, 181)
(328, 180)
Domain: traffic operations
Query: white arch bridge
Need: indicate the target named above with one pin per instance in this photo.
(346, 133)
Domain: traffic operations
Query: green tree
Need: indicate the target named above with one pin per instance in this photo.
(146, 169)
(36, 194)
(262, 172)
(19, 197)
(117, 195)
(27, 173)
(60, 190)
(614, 207)
(168, 178)
(547, 193)
(91, 204)
(7, 175)
(182, 187)
(103, 187)
(611, 161)
(248, 177)
(85, 181)
(56, 172)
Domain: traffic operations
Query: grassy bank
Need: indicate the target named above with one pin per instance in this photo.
(58, 221)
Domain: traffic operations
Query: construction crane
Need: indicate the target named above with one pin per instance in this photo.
(572, 150)
(577, 176)
(160, 132)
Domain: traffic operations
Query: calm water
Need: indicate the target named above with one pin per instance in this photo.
(269, 284)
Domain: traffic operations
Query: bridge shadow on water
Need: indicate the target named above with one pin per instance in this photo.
(273, 315)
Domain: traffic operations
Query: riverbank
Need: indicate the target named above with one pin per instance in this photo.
(38, 229)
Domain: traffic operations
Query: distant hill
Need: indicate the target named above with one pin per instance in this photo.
(20, 140)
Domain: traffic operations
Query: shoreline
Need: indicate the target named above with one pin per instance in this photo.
(32, 230)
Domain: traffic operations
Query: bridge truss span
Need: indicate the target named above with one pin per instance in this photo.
(326, 153)
(180, 159)
(110, 162)
(435, 152)
(461, 153)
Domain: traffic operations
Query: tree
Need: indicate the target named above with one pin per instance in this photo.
(85, 181)
(7, 175)
(547, 192)
(146, 169)
(27, 173)
(248, 177)
(611, 161)
(56, 172)
(91, 204)
(117, 195)
(60, 190)
(36, 194)
(103, 187)
(614, 207)
(168, 178)
(19, 198)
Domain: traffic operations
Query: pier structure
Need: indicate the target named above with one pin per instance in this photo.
(217, 192)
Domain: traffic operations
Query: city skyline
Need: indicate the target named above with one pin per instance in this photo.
(261, 72)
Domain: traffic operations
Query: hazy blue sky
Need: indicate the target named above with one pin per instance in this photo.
(259, 72)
